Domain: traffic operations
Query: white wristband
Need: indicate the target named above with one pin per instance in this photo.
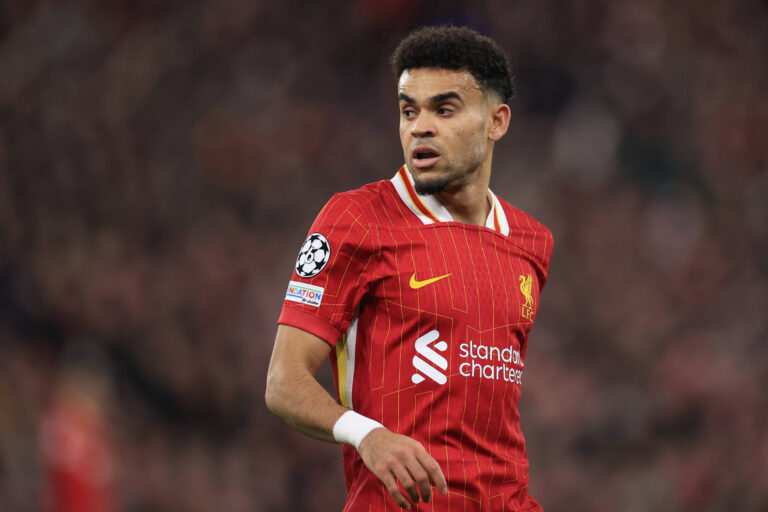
(352, 427)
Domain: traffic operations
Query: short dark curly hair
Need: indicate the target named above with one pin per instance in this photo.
(456, 48)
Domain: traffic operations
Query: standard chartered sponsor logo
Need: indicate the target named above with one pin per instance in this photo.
(479, 361)
(491, 362)
(423, 349)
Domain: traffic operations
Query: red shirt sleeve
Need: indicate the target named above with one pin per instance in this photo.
(331, 273)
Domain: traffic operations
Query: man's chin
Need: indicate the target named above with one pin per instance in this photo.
(429, 186)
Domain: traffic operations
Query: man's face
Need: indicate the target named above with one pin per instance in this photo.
(444, 124)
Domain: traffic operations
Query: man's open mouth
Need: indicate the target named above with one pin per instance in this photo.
(424, 156)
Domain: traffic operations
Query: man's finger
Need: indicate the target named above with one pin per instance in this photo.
(394, 490)
(434, 471)
(404, 477)
(421, 477)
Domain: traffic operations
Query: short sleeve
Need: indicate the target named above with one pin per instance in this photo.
(332, 272)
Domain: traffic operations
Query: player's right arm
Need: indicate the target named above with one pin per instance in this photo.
(294, 394)
(339, 274)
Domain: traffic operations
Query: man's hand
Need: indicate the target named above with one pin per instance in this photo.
(396, 458)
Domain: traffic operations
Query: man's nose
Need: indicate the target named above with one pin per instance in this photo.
(423, 126)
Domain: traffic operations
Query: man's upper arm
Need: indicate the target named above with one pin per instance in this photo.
(323, 297)
(296, 349)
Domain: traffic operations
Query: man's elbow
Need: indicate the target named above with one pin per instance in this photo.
(271, 395)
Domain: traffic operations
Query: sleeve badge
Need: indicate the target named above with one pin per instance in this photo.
(313, 256)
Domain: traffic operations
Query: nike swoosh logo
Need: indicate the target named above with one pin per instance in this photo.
(415, 284)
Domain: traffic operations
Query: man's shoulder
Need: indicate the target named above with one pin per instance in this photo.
(528, 233)
(366, 196)
(370, 203)
(520, 220)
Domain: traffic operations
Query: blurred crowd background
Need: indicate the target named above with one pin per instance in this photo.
(161, 163)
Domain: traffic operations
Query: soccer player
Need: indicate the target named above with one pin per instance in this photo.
(422, 289)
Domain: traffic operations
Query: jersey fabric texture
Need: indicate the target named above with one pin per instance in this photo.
(428, 321)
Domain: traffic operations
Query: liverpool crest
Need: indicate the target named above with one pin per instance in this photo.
(526, 287)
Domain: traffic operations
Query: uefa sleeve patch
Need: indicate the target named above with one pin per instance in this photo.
(313, 256)
(304, 294)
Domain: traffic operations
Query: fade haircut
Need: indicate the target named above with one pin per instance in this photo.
(459, 49)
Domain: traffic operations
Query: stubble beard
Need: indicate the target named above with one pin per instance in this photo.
(436, 185)
(452, 175)
(457, 173)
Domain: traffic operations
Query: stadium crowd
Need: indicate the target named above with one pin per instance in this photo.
(161, 162)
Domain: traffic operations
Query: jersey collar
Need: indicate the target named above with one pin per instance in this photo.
(429, 210)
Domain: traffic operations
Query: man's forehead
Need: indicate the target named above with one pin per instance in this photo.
(427, 82)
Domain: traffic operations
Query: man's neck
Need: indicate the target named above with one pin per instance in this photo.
(470, 202)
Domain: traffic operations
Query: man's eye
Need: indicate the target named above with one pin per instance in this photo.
(408, 114)
(444, 111)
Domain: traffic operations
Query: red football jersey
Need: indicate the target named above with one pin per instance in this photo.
(429, 320)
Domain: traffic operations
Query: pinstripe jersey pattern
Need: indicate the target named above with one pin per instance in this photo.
(428, 319)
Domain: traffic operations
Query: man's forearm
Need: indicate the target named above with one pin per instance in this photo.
(294, 394)
(303, 403)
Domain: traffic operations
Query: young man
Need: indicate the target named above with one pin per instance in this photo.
(422, 289)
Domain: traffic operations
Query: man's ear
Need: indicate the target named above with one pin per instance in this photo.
(500, 116)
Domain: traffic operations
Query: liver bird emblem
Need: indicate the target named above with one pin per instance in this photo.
(526, 286)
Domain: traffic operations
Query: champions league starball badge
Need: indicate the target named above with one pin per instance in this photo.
(314, 255)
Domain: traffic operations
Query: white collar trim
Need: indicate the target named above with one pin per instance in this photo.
(429, 210)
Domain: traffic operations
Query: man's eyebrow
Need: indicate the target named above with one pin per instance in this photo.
(437, 98)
